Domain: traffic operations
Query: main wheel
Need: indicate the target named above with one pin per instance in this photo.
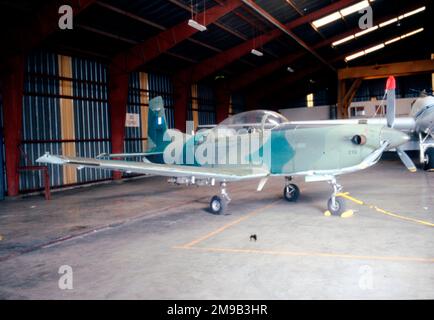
(338, 208)
(429, 164)
(291, 192)
(217, 205)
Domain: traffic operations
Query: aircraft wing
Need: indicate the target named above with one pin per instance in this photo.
(219, 174)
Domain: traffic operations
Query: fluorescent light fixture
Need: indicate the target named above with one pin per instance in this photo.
(355, 55)
(256, 53)
(374, 48)
(290, 69)
(381, 45)
(346, 39)
(354, 8)
(408, 14)
(340, 14)
(196, 25)
(327, 19)
(361, 33)
(381, 25)
(386, 23)
(412, 33)
(392, 40)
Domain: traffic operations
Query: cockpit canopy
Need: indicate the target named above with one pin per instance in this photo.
(244, 123)
(259, 119)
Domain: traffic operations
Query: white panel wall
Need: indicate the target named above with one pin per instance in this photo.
(302, 114)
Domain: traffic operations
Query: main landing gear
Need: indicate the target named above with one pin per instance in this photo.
(336, 205)
(219, 203)
(429, 159)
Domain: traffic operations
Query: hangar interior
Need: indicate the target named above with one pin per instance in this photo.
(84, 89)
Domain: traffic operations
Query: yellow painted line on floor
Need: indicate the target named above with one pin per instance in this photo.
(228, 225)
(391, 214)
(346, 195)
(311, 254)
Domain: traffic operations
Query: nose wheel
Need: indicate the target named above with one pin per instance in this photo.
(219, 203)
(336, 205)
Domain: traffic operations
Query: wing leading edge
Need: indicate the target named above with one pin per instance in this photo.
(217, 173)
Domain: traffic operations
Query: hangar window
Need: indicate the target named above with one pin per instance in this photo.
(309, 100)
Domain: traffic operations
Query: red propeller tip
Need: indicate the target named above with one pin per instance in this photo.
(391, 83)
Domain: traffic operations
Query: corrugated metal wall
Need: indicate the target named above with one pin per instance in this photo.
(2, 154)
(65, 110)
(238, 104)
(202, 101)
(133, 135)
(161, 85)
(206, 104)
(41, 118)
(91, 114)
(143, 87)
(42, 123)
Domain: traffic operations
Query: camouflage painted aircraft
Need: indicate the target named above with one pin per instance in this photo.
(263, 145)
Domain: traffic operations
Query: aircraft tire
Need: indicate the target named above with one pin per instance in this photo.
(429, 164)
(217, 205)
(340, 206)
(291, 193)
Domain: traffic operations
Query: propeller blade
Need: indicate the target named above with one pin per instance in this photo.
(391, 101)
(406, 159)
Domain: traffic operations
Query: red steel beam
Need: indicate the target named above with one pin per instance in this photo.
(218, 61)
(181, 93)
(223, 99)
(117, 99)
(144, 52)
(12, 92)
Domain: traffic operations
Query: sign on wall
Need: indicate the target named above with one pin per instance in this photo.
(132, 120)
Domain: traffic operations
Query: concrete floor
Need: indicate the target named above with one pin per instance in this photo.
(144, 239)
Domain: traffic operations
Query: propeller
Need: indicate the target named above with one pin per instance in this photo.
(390, 116)
(406, 159)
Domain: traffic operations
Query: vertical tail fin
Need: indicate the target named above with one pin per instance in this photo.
(157, 125)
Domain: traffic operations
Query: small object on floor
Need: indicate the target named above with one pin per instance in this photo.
(346, 214)
(1, 237)
(253, 237)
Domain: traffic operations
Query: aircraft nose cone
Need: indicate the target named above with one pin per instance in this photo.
(394, 137)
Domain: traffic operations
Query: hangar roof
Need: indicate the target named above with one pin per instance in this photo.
(129, 29)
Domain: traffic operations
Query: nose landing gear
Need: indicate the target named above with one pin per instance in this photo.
(336, 205)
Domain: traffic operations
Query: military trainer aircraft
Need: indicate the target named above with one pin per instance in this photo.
(251, 145)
